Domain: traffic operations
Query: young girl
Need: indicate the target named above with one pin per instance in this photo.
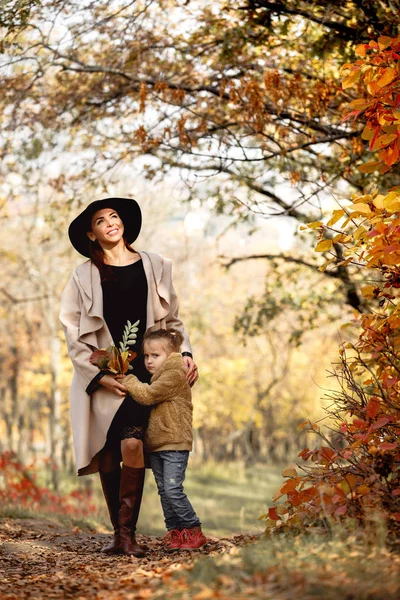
(169, 433)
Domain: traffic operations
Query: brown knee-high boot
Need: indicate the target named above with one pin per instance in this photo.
(111, 483)
(131, 490)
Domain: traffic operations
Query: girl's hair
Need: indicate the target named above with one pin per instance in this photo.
(173, 338)
(97, 257)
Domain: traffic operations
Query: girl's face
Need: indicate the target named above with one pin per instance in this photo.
(156, 353)
(106, 227)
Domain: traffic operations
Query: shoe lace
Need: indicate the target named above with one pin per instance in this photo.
(171, 536)
(189, 535)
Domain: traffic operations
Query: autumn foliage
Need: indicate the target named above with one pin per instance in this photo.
(19, 487)
(356, 472)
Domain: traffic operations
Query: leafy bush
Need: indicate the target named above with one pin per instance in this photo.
(359, 474)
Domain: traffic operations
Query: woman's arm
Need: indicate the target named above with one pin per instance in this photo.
(79, 352)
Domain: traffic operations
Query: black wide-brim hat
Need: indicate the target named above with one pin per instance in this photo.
(128, 210)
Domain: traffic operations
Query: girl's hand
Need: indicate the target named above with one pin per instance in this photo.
(111, 384)
(192, 374)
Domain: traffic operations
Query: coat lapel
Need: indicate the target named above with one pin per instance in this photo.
(92, 320)
(158, 295)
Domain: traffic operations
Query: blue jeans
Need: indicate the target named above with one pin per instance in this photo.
(169, 468)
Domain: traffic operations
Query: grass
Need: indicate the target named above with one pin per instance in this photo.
(15, 511)
(344, 566)
(227, 498)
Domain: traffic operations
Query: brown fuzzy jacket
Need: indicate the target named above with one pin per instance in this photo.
(170, 423)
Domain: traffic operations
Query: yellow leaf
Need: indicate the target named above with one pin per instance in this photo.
(359, 232)
(362, 208)
(383, 140)
(391, 202)
(368, 132)
(394, 207)
(387, 77)
(379, 201)
(289, 472)
(315, 225)
(323, 245)
(369, 167)
(384, 41)
(359, 104)
(336, 215)
(368, 291)
(351, 79)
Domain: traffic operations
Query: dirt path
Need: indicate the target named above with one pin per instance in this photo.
(39, 559)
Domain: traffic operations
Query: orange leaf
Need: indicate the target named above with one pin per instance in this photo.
(361, 49)
(383, 140)
(289, 486)
(390, 155)
(369, 167)
(384, 41)
(387, 76)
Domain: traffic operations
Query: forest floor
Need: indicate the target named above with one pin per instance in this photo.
(42, 558)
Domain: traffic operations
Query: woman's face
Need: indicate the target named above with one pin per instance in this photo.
(106, 227)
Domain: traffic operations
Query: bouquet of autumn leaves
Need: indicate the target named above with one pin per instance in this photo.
(116, 361)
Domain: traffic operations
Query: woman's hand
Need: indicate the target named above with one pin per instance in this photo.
(111, 384)
(192, 374)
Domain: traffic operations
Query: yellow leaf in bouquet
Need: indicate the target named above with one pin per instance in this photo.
(114, 363)
(124, 361)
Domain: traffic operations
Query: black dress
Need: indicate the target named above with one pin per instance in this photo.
(125, 298)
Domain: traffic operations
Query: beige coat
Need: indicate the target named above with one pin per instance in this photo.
(170, 423)
(81, 314)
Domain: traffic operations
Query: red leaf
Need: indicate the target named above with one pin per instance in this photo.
(373, 407)
(341, 510)
(395, 516)
(273, 514)
(360, 424)
(381, 422)
(388, 445)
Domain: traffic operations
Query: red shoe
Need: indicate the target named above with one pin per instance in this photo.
(173, 540)
(192, 539)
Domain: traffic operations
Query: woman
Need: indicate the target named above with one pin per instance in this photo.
(115, 285)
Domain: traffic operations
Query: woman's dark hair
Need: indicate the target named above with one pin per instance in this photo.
(97, 257)
(173, 338)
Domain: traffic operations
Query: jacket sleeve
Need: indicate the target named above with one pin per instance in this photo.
(173, 321)
(79, 352)
(161, 390)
